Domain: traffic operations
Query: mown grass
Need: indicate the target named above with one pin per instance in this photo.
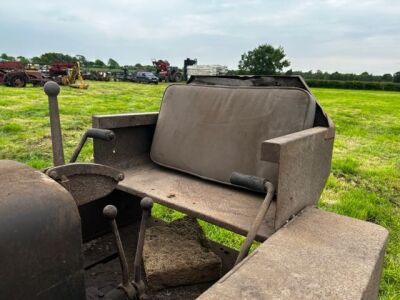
(365, 179)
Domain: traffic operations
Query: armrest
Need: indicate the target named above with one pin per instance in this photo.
(124, 120)
(304, 162)
(271, 149)
(133, 138)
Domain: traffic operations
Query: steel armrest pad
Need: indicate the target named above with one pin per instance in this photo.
(133, 138)
(271, 149)
(124, 120)
(304, 162)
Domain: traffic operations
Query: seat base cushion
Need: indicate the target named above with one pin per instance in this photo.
(225, 206)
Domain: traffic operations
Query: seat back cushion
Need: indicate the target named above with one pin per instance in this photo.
(212, 131)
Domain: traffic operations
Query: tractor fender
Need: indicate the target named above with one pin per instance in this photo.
(40, 237)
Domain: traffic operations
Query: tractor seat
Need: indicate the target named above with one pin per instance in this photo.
(204, 134)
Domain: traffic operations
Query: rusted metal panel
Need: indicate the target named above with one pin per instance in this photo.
(130, 148)
(319, 255)
(304, 160)
(40, 235)
(134, 135)
(229, 207)
(93, 222)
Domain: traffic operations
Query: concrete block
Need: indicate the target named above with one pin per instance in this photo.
(178, 254)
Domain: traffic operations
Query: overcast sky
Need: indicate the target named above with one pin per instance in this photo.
(333, 35)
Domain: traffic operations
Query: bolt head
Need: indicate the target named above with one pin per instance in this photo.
(146, 203)
(110, 212)
(111, 136)
(121, 176)
(51, 88)
(53, 174)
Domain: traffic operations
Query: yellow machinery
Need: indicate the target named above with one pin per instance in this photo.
(74, 77)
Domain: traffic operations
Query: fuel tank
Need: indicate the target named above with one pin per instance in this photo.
(40, 237)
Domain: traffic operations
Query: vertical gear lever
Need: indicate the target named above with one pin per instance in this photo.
(133, 289)
(52, 89)
(146, 205)
(110, 212)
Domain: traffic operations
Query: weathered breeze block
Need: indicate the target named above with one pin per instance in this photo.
(177, 254)
(319, 255)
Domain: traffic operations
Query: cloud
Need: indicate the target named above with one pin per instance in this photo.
(330, 35)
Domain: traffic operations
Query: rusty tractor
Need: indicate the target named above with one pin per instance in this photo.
(249, 154)
(14, 74)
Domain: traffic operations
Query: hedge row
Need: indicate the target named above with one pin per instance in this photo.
(356, 85)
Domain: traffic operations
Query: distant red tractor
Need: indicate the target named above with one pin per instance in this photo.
(14, 73)
(165, 72)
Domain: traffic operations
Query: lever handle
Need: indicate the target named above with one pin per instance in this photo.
(250, 182)
(110, 212)
(95, 133)
(52, 89)
(255, 226)
(146, 204)
(99, 133)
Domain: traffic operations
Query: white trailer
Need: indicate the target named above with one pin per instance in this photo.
(210, 70)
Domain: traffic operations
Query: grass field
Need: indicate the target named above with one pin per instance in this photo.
(365, 180)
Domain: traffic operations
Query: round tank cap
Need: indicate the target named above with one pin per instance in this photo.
(51, 88)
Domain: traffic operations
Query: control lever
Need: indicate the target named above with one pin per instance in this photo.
(52, 89)
(94, 133)
(134, 289)
(258, 184)
(110, 212)
(146, 205)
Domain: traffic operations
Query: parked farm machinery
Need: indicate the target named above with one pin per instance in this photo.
(124, 75)
(68, 74)
(96, 75)
(14, 74)
(249, 154)
(165, 72)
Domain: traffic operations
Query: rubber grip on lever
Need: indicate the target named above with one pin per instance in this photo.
(250, 182)
(102, 134)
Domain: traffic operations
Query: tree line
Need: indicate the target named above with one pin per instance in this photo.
(53, 57)
(364, 76)
(264, 59)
